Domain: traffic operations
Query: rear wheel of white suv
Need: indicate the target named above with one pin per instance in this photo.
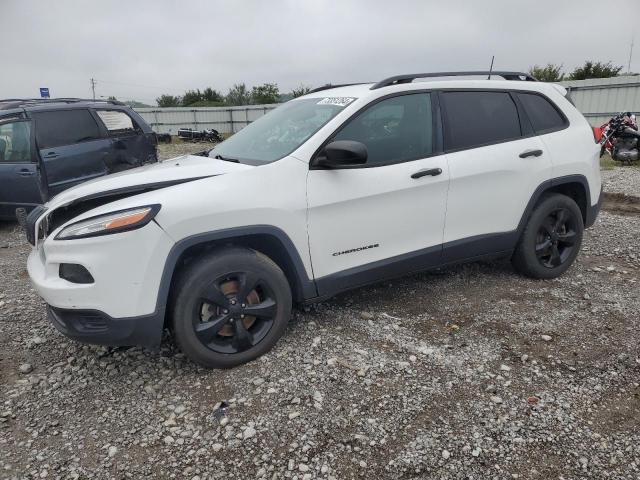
(230, 307)
(551, 239)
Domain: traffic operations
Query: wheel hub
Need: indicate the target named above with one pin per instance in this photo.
(236, 307)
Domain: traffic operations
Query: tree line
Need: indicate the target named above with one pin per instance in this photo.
(237, 95)
(266, 93)
(552, 72)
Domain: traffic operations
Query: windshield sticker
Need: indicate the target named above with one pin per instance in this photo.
(337, 101)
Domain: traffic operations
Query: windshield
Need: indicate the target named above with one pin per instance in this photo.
(281, 131)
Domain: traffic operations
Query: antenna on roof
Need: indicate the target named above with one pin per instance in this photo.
(491, 67)
(630, 55)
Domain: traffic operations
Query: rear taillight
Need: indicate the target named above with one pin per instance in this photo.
(597, 134)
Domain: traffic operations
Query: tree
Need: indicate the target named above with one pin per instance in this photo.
(266, 93)
(211, 95)
(548, 73)
(191, 96)
(300, 91)
(595, 70)
(168, 101)
(238, 95)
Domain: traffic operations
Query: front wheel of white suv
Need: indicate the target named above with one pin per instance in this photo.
(551, 239)
(230, 307)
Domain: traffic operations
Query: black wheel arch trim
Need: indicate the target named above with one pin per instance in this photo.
(591, 210)
(305, 287)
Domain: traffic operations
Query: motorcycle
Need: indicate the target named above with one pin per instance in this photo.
(620, 138)
(189, 135)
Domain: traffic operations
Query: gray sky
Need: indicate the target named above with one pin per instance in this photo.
(141, 49)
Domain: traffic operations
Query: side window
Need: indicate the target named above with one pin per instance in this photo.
(394, 130)
(479, 118)
(15, 142)
(116, 122)
(544, 116)
(64, 127)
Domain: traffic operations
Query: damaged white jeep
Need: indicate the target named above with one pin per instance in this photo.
(340, 188)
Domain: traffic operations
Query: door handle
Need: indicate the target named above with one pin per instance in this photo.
(531, 153)
(26, 173)
(433, 172)
(51, 155)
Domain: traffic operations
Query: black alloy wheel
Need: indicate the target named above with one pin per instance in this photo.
(229, 307)
(556, 238)
(235, 313)
(551, 238)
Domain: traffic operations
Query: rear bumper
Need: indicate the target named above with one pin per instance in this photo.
(95, 327)
(593, 211)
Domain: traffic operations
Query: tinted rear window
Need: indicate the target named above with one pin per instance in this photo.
(543, 115)
(64, 127)
(479, 118)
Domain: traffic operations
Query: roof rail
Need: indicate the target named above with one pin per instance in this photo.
(17, 102)
(408, 78)
(328, 86)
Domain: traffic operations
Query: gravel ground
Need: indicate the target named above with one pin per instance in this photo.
(622, 180)
(470, 372)
(179, 147)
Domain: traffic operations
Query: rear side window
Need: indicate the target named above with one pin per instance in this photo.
(115, 121)
(64, 127)
(479, 118)
(543, 115)
(394, 130)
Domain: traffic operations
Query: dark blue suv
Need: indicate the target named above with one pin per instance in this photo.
(47, 146)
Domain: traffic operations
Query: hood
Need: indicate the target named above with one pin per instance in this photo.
(148, 177)
(110, 188)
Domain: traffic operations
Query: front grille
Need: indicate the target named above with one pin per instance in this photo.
(30, 224)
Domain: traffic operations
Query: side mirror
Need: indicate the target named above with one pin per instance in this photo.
(341, 153)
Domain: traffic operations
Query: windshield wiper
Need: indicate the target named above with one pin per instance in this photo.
(226, 159)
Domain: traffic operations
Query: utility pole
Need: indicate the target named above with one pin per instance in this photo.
(630, 54)
(93, 87)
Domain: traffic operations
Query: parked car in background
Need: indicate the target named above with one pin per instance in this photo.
(49, 145)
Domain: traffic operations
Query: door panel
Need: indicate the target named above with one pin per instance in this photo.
(495, 164)
(391, 211)
(20, 184)
(70, 165)
(72, 148)
(491, 186)
(382, 208)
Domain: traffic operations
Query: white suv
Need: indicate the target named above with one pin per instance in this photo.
(343, 187)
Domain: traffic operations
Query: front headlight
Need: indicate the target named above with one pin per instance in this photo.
(115, 222)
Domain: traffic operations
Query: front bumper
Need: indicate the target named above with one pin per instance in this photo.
(95, 327)
(121, 306)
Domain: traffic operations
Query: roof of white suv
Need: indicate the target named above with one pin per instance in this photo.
(365, 89)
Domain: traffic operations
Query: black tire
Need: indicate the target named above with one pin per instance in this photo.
(551, 239)
(229, 307)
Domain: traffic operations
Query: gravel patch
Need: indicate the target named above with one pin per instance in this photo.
(622, 180)
(178, 147)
